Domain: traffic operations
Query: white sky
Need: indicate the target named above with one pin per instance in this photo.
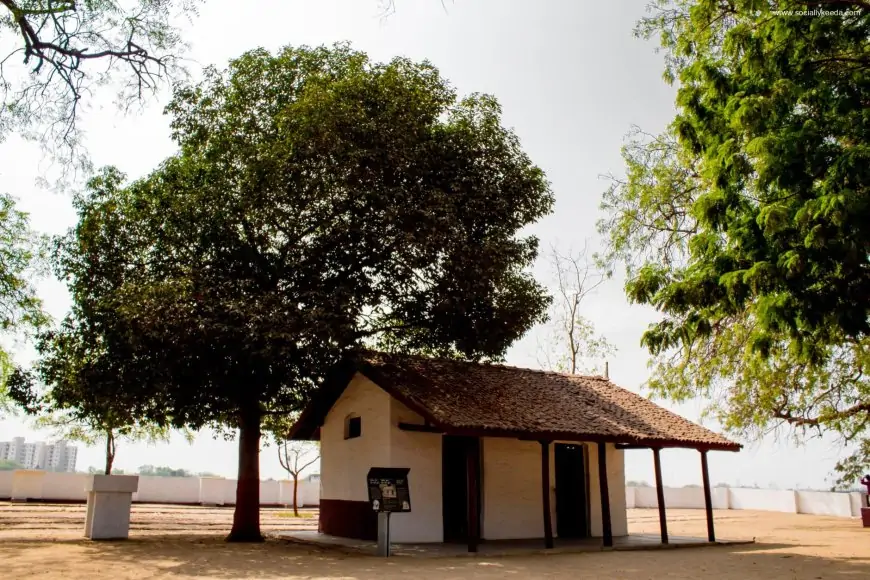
(571, 78)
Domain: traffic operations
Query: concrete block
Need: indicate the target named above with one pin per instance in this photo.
(109, 499)
(112, 483)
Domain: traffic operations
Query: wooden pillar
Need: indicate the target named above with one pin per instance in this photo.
(708, 500)
(545, 490)
(607, 525)
(472, 467)
(660, 494)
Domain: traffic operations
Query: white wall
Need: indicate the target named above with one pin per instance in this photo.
(344, 463)
(5, 484)
(630, 499)
(421, 452)
(771, 500)
(270, 492)
(683, 497)
(616, 491)
(212, 491)
(512, 502)
(824, 503)
(309, 492)
(857, 500)
(158, 489)
(788, 501)
(721, 498)
(230, 491)
(64, 486)
(645, 497)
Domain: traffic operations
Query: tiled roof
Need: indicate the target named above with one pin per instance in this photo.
(488, 399)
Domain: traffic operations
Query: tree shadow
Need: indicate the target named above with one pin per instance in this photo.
(211, 557)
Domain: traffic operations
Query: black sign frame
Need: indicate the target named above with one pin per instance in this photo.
(389, 490)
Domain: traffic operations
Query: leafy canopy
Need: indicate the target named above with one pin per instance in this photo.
(747, 223)
(22, 255)
(320, 203)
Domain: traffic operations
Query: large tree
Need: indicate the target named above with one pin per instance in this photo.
(320, 203)
(747, 223)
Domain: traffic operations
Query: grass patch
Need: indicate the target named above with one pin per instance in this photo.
(305, 515)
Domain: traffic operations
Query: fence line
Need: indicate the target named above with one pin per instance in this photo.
(841, 504)
(50, 486)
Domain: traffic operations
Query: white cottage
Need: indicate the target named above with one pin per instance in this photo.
(494, 452)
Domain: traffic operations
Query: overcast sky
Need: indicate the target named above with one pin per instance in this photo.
(572, 80)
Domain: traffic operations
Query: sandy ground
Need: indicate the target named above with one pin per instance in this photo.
(38, 541)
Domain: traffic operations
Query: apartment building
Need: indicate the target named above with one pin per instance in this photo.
(58, 456)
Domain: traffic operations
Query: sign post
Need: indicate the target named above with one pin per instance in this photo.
(865, 510)
(384, 534)
(388, 493)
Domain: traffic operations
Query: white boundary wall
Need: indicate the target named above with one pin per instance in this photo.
(190, 490)
(6, 484)
(57, 486)
(825, 503)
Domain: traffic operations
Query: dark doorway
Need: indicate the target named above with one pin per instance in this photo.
(571, 502)
(454, 485)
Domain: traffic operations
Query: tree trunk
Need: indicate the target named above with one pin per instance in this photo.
(110, 451)
(246, 517)
(295, 487)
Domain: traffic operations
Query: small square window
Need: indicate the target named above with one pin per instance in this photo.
(352, 427)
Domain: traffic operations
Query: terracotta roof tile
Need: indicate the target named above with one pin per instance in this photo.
(459, 396)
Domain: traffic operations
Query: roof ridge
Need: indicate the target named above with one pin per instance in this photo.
(495, 399)
(492, 364)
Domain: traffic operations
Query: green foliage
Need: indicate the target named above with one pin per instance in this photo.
(747, 223)
(7, 465)
(320, 204)
(164, 471)
(67, 410)
(95, 471)
(297, 514)
(21, 262)
(78, 372)
(59, 51)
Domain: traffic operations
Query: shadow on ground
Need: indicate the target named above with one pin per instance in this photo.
(211, 557)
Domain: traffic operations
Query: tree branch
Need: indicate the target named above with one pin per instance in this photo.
(821, 418)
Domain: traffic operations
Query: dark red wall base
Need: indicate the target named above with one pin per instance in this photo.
(348, 519)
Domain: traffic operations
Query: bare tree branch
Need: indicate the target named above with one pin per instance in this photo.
(139, 45)
(576, 277)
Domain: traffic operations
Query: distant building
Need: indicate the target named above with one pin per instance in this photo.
(58, 456)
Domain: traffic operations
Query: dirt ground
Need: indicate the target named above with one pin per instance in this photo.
(39, 541)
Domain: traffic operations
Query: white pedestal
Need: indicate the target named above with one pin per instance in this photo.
(109, 499)
(212, 491)
(27, 484)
